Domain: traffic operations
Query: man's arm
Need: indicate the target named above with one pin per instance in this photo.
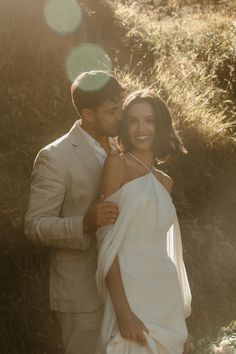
(43, 223)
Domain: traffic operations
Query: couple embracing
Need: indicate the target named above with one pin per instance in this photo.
(118, 283)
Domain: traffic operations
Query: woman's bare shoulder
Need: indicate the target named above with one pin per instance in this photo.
(112, 174)
(116, 156)
(114, 160)
(165, 179)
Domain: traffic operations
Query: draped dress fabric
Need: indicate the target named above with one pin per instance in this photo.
(146, 238)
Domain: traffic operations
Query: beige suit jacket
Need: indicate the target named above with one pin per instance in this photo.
(65, 181)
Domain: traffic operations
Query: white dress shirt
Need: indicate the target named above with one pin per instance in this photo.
(98, 149)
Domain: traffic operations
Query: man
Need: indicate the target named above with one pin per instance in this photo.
(63, 211)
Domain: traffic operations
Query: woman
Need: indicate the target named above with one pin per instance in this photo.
(141, 276)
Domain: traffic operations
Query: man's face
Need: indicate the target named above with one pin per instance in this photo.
(107, 118)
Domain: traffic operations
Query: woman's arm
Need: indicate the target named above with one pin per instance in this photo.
(130, 326)
(112, 175)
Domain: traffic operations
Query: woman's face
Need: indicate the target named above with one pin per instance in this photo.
(141, 126)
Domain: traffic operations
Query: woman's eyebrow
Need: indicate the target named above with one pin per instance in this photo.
(112, 109)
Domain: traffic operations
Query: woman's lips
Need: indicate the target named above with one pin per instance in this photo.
(142, 137)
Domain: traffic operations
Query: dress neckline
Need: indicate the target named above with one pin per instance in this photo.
(124, 186)
(134, 180)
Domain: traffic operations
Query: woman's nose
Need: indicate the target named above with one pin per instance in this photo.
(141, 127)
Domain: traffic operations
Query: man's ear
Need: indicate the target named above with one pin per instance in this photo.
(88, 115)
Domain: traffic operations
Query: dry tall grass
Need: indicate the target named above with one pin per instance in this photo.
(190, 60)
(35, 109)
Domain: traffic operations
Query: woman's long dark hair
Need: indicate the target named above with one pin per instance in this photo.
(167, 141)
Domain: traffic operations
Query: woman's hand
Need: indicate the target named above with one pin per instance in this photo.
(131, 327)
(129, 324)
(189, 344)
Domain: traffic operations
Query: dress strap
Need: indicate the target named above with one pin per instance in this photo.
(141, 162)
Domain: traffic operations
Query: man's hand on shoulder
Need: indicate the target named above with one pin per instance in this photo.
(101, 213)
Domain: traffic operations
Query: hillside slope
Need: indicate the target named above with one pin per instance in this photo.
(189, 58)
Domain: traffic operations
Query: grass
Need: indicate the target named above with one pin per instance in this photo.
(189, 58)
(192, 56)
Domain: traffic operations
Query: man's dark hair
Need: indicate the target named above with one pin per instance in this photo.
(90, 89)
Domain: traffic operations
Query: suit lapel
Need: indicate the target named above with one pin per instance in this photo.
(85, 152)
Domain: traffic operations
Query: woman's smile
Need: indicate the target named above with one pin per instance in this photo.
(143, 137)
(141, 125)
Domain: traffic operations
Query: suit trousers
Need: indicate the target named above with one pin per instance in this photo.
(79, 331)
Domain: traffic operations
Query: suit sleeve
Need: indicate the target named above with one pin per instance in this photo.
(43, 223)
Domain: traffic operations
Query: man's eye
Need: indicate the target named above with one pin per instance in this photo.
(131, 121)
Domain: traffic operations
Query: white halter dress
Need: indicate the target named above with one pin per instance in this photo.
(147, 240)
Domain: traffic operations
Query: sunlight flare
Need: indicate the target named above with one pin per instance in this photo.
(87, 57)
(63, 16)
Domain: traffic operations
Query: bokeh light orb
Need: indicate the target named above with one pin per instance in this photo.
(63, 16)
(87, 57)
